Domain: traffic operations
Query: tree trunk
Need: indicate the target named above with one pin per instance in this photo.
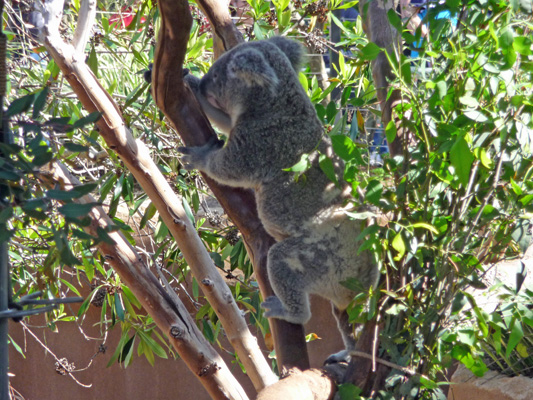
(379, 31)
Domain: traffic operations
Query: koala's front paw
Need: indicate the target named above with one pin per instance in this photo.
(273, 307)
(191, 80)
(196, 157)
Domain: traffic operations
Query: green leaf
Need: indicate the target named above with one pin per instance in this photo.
(70, 286)
(481, 155)
(326, 165)
(442, 89)
(398, 244)
(522, 234)
(118, 307)
(345, 148)
(15, 344)
(373, 191)
(20, 105)
(75, 148)
(127, 351)
(406, 70)
(469, 101)
(302, 165)
(517, 333)
(148, 215)
(391, 131)
(75, 210)
(522, 44)
(92, 61)
(505, 40)
(187, 209)
(62, 195)
(154, 346)
(303, 81)
(462, 159)
(395, 19)
(40, 102)
(86, 188)
(42, 158)
(89, 119)
(370, 51)
(89, 269)
(425, 225)
(342, 66)
(331, 111)
(6, 214)
(458, 302)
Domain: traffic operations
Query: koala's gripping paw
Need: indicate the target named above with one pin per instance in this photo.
(273, 308)
(196, 157)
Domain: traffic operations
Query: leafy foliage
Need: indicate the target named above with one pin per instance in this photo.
(457, 201)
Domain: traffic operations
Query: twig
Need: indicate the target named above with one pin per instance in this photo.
(55, 357)
(405, 370)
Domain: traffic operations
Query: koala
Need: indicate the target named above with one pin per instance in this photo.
(253, 95)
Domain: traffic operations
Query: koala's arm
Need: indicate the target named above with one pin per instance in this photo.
(215, 115)
(226, 165)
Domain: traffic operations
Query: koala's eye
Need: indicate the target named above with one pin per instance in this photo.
(215, 75)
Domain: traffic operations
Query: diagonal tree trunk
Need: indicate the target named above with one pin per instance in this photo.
(136, 156)
(168, 312)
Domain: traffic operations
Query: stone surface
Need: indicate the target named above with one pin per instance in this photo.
(493, 386)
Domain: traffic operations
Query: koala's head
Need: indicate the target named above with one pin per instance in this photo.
(250, 74)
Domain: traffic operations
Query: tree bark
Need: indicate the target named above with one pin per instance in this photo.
(181, 108)
(136, 157)
(379, 31)
(312, 384)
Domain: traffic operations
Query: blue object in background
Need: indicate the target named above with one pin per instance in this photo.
(444, 14)
(379, 142)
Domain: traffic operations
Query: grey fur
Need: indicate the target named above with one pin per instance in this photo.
(253, 95)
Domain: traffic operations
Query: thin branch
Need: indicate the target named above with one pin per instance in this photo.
(86, 19)
(53, 355)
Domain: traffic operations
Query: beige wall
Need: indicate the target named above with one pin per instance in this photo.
(36, 379)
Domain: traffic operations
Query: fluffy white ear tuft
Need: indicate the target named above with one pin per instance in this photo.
(254, 70)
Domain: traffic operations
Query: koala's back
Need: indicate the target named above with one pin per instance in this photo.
(272, 136)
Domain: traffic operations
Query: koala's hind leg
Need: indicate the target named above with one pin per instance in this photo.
(348, 337)
(288, 276)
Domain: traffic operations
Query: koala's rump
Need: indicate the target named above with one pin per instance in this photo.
(337, 235)
(325, 253)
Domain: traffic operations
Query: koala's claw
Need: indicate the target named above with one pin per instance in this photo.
(196, 157)
(273, 307)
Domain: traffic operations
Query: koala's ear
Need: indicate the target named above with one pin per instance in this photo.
(254, 70)
(293, 50)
